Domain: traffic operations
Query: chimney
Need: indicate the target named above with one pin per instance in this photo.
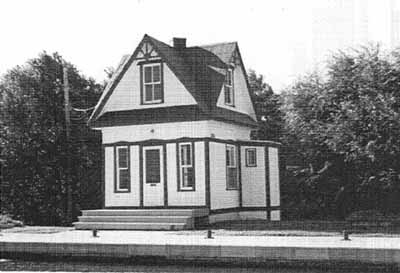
(179, 43)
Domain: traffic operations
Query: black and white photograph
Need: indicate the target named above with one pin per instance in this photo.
(200, 136)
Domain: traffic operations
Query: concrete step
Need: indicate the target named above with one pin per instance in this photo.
(145, 212)
(137, 219)
(128, 226)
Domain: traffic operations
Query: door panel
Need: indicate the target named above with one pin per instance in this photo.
(153, 186)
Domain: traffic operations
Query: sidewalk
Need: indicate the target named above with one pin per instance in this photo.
(172, 245)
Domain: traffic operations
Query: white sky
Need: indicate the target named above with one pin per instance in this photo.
(94, 34)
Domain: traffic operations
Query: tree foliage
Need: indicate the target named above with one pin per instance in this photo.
(267, 107)
(33, 142)
(346, 127)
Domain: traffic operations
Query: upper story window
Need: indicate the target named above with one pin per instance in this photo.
(152, 83)
(228, 88)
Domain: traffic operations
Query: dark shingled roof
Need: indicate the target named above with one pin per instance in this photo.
(201, 69)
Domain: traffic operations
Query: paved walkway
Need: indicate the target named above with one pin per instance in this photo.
(173, 245)
(163, 237)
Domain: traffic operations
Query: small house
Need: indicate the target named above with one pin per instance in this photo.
(176, 124)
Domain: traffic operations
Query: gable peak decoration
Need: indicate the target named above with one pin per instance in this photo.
(146, 51)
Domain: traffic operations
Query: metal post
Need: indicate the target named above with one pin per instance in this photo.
(209, 234)
(346, 235)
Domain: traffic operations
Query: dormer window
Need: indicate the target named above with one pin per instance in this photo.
(152, 85)
(228, 88)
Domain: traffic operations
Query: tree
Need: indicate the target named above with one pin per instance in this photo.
(346, 126)
(267, 107)
(34, 145)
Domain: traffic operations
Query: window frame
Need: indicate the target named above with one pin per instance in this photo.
(152, 83)
(117, 169)
(229, 84)
(233, 166)
(247, 157)
(181, 187)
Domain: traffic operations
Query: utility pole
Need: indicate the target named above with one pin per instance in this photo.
(67, 109)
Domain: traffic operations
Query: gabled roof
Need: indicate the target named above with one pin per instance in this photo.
(201, 69)
(224, 51)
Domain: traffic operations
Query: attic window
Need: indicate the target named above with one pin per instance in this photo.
(152, 83)
(228, 88)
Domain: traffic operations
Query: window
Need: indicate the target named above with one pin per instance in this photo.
(152, 83)
(122, 168)
(251, 157)
(231, 168)
(153, 168)
(228, 88)
(186, 173)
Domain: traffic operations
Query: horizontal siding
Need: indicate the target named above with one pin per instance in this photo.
(242, 98)
(228, 131)
(126, 95)
(220, 196)
(143, 132)
(121, 199)
(274, 176)
(253, 179)
(186, 198)
(174, 130)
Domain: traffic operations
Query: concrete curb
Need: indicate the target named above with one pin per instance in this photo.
(222, 253)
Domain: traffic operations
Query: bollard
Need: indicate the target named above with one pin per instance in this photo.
(346, 235)
(94, 233)
(209, 234)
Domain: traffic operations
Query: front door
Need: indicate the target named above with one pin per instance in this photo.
(153, 178)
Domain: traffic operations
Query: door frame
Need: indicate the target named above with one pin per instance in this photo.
(163, 177)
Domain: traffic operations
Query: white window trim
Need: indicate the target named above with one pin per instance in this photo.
(233, 165)
(151, 83)
(248, 150)
(232, 147)
(229, 71)
(181, 166)
(124, 168)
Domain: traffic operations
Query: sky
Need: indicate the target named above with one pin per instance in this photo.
(95, 34)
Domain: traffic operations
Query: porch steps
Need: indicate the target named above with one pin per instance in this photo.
(135, 219)
(129, 226)
(139, 219)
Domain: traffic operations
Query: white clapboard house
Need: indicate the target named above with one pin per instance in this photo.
(176, 124)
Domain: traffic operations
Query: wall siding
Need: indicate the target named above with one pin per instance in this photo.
(131, 198)
(274, 181)
(253, 179)
(243, 103)
(174, 130)
(220, 196)
(186, 198)
(251, 215)
(229, 131)
(126, 95)
(155, 131)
